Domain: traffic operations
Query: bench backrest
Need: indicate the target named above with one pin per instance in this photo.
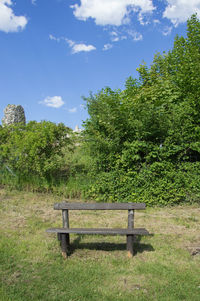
(99, 206)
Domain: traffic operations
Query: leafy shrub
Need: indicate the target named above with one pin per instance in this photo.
(34, 152)
(156, 184)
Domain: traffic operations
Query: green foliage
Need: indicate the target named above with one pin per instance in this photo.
(144, 140)
(157, 184)
(34, 152)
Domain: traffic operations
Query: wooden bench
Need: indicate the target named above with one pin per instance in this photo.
(130, 231)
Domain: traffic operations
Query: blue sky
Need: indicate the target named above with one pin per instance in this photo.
(53, 52)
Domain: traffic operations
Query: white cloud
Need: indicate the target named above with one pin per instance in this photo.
(82, 47)
(110, 12)
(117, 36)
(107, 46)
(76, 47)
(8, 21)
(167, 30)
(33, 2)
(79, 47)
(156, 21)
(51, 37)
(54, 102)
(114, 36)
(136, 36)
(142, 18)
(178, 11)
(72, 110)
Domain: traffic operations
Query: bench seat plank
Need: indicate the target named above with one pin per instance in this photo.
(99, 206)
(101, 231)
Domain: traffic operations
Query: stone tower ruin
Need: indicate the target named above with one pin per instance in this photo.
(13, 114)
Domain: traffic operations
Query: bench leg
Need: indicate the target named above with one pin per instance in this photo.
(68, 239)
(59, 238)
(129, 240)
(64, 244)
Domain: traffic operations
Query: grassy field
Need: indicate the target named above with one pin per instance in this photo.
(166, 265)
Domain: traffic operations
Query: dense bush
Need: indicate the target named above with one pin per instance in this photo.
(33, 153)
(157, 184)
(145, 140)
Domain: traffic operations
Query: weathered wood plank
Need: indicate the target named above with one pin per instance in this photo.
(101, 231)
(99, 206)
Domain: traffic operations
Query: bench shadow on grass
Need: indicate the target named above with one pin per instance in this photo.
(109, 246)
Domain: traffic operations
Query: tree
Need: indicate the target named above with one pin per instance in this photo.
(154, 124)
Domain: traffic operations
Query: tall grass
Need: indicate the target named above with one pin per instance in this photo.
(67, 186)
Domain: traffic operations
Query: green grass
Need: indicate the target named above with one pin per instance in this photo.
(32, 268)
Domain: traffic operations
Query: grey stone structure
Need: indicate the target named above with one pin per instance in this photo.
(13, 114)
